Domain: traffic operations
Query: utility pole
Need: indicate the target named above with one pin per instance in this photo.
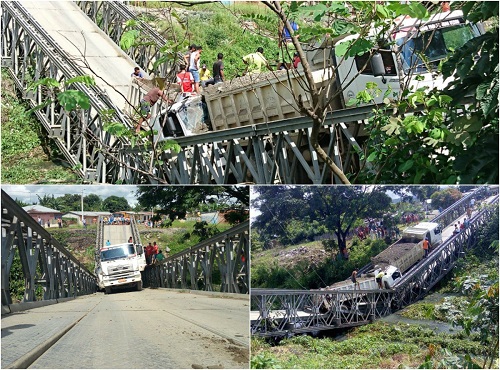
(82, 207)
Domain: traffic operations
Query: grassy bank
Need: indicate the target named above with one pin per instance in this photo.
(27, 156)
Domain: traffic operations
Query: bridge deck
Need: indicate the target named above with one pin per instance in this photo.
(117, 234)
(149, 329)
(76, 34)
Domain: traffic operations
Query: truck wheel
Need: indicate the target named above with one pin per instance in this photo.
(139, 286)
(107, 290)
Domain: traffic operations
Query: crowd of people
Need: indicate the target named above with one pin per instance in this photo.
(194, 75)
(154, 255)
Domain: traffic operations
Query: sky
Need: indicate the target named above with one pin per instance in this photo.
(28, 193)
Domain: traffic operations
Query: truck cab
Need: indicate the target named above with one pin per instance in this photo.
(120, 265)
(411, 54)
(393, 275)
(430, 230)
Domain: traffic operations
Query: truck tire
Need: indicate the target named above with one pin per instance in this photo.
(139, 286)
(107, 290)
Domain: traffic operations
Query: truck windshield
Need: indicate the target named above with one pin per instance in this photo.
(120, 251)
(427, 49)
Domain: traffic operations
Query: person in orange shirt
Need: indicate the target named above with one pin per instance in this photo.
(426, 245)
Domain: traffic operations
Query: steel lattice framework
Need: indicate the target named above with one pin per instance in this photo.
(194, 268)
(45, 263)
(286, 312)
(268, 153)
(421, 278)
(283, 312)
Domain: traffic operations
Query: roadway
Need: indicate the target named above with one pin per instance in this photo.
(86, 44)
(154, 328)
(117, 234)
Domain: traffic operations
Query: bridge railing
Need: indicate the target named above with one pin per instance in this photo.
(31, 54)
(429, 271)
(221, 260)
(458, 208)
(35, 263)
(280, 312)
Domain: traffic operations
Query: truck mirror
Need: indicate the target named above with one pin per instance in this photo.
(377, 65)
(139, 249)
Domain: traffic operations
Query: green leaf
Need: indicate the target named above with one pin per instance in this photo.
(128, 39)
(72, 99)
(372, 157)
(393, 127)
(86, 80)
(406, 166)
(47, 81)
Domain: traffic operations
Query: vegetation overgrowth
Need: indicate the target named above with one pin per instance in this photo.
(27, 154)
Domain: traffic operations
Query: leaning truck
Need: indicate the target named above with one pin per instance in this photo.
(120, 265)
(408, 57)
(397, 259)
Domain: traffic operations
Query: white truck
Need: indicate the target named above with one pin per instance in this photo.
(414, 50)
(397, 258)
(120, 265)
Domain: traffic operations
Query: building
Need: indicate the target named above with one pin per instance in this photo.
(90, 216)
(45, 216)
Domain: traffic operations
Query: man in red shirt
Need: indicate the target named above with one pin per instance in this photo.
(185, 80)
(147, 102)
(154, 252)
(149, 252)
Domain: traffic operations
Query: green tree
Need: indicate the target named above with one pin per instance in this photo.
(337, 208)
(445, 197)
(114, 204)
(177, 201)
(50, 201)
(92, 202)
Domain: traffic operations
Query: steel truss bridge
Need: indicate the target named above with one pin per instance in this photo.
(278, 313)
(225, 255)
(49, 271)
(268, 153)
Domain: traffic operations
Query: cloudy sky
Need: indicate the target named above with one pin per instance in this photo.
(28, 193)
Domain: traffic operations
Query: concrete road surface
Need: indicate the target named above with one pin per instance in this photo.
(154, 328)
(117, 234)
(78, 36)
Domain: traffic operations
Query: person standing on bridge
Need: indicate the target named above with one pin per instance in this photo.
(155, 252)
(159, 257)
(354, 279)
(149, 253)
(137, 73)
(108, 242)
(255, 61)
(130, 240)
(379, 277)
(426, 245)
(147, 102)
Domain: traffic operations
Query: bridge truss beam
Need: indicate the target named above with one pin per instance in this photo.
(194, 268)
(48, 270)
(286, 312)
